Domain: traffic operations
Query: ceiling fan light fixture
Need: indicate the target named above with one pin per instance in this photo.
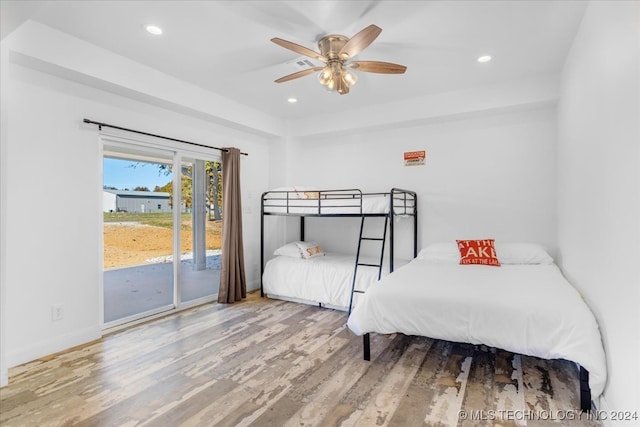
(349, 78)
(331, 84)
(337, 78)
(325, 75)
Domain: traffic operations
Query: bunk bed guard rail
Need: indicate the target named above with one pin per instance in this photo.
(341, 202)
(402, 203)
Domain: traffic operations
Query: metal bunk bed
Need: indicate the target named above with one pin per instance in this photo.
(340, 204)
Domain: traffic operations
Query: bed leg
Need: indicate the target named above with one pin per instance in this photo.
(366, 347)
(585, 391)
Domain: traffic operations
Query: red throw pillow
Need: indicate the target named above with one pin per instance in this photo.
(481, 252)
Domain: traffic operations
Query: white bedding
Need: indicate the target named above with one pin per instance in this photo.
(321, 279)
(370, 204)
(526, 309)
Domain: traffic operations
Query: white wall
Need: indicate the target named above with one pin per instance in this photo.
(489, 174)
(599, 185)
(4, 379)
(52, 236)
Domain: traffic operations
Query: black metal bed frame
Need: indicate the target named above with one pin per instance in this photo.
(285, 202)
(585, 390)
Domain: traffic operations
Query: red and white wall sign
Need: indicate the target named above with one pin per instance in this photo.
(414, 158)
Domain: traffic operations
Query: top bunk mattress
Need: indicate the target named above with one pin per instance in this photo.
(296, 201)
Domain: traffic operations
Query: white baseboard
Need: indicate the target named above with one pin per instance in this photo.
(253, 285)
(51, 346)
(4, 377)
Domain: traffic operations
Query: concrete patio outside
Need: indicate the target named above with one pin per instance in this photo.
(133, 290)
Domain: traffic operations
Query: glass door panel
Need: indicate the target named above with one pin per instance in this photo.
(138, 233)
(200, 229)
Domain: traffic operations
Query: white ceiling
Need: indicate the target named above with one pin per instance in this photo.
(224, 46)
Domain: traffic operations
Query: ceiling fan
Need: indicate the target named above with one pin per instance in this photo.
(335, 53)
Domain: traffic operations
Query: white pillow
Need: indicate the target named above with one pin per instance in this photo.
(300, 250)
(290, 250)
(508, 253)
(309, 249)
(522, 253)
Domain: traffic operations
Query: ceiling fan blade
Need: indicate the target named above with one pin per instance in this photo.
(298, 74)
(377, 67)
(360, 41)
(299, 49)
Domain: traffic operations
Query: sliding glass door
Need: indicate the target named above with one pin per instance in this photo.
(161, 231)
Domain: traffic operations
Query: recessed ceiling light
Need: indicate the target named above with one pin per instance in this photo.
(153, 29)
(292, 100)
(484, 58)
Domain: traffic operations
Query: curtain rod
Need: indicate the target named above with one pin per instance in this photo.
(101, 125)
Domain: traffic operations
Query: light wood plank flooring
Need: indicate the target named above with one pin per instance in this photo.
(265, 362)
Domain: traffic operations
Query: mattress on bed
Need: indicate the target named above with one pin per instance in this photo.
(322, 279)
(526, 309)
(369, 204)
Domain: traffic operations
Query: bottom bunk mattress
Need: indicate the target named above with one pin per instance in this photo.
(324, 280)
(526, 309)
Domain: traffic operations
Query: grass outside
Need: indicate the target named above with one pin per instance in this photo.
(133, 238)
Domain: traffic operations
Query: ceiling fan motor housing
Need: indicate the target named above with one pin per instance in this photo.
(331, 45)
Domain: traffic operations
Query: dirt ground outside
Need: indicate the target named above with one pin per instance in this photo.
(128, 243)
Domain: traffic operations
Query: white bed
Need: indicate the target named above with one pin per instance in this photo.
(324, 280)
(529, 309)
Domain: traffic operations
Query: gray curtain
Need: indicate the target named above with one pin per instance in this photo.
(233, 283)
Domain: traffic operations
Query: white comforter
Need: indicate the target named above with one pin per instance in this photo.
(323, 279)
(369, 205)
(526, 309)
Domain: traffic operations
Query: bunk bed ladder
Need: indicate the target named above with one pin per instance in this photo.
(382, 241)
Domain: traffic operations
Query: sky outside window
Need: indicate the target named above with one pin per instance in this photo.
(125, 174)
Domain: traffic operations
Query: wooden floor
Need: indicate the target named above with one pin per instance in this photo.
(265, 362)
